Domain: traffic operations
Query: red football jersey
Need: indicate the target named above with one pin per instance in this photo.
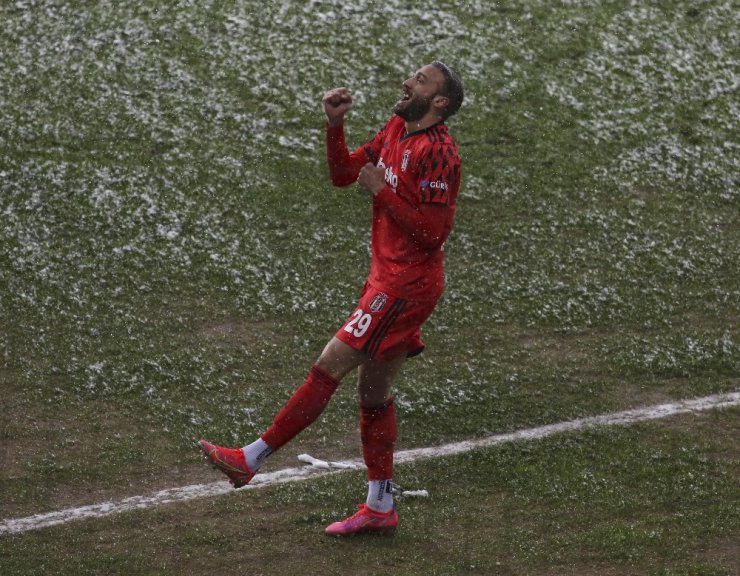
(413, 214)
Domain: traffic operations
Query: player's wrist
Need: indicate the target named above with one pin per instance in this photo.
(334, 122)
(383, 191)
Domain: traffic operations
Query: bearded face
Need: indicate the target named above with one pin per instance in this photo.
(419, 94)
(412, 107)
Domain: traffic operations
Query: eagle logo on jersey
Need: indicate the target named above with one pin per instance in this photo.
(378, 302)
(405, 160)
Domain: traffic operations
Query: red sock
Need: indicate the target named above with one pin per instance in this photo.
(378, 432)
(306, 404)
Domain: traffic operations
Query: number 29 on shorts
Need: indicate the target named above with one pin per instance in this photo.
(359, 323)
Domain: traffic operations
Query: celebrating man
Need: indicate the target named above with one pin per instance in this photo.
(411, 169)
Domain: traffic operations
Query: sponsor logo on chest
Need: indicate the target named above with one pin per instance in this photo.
(390, 176)
(437, 184)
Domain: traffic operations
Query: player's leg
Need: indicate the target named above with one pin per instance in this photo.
(378, 428)
(378, 434)
(309, 401)
(389, 330)
(375, 379)
(302, 408)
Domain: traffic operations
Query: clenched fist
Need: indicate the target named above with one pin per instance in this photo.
(372, 178)
(336, 103)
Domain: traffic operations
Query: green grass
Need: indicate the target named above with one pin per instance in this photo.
(173, 258)
(653, 498)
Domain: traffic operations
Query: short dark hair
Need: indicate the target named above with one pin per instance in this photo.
(452, 87)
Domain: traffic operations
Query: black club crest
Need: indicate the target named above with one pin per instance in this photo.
(378, 302)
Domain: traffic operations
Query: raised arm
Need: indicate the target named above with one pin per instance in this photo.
(344, 166)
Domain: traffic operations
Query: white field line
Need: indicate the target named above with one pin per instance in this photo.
(185, 493)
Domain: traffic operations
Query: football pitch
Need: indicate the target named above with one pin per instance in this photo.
(173, 258)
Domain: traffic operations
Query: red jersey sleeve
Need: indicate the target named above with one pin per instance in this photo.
(439, 174)
(344, 167)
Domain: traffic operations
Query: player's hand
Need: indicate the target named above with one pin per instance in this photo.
(372, 178)
(336, 103)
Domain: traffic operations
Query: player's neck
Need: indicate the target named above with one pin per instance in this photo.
(427, 121)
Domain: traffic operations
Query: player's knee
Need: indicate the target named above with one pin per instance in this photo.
(338, 359)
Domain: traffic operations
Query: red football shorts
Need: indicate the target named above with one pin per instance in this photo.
(384, 327)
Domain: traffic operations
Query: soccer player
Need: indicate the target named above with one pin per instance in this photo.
(411, 169)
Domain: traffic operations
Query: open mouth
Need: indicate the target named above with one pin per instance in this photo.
(403, 101)
(405, 97)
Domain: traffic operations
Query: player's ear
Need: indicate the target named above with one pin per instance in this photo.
(441, 102)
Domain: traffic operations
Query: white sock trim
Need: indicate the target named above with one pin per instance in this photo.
(380, 495)
(256, 453)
